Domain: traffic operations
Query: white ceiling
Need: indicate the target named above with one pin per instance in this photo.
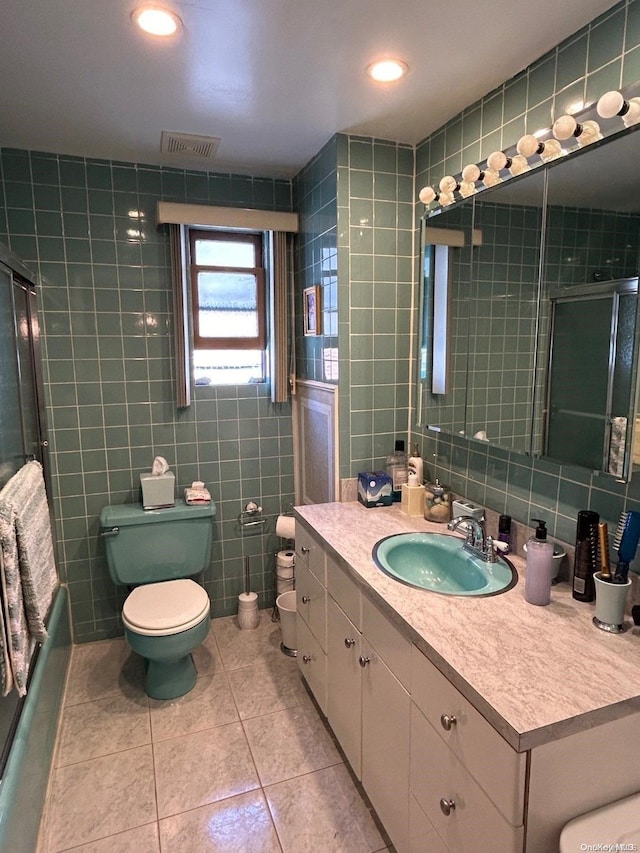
(275, 79)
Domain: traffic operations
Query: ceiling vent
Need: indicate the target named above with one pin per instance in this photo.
(189, 145)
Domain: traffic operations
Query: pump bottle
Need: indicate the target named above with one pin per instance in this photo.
(537, 584)
(415, 467)
(397, 469)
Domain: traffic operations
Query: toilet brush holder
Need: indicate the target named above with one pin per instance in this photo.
(248, 613)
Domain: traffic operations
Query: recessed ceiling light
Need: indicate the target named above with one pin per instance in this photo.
(387, 70)
(156, 21)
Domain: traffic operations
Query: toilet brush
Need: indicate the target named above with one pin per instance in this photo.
(248, 614)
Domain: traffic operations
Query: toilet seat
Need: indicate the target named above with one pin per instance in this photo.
(162, 609)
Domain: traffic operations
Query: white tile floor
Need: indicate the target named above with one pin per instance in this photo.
(242, 763)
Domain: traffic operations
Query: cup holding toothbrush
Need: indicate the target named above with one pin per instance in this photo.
(611, 599)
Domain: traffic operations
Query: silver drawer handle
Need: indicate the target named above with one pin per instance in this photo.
(349, 642)
(306, 599)
(363, 661)
(448, 721)
(306, 658)
(447, 806)
(304, 549)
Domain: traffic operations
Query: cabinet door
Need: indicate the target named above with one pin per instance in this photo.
(311, 602)
(497, 768)
(385, 745)
(457, 807)
(312, 663)
(344, 677)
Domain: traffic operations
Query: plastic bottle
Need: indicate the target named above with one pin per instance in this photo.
(537, 583)
(397, 469)
(415, 467)
(586, 556)
(504, 532)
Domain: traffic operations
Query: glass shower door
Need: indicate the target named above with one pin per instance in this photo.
(590, 376)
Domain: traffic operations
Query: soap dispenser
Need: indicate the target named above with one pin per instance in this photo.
(537, 583)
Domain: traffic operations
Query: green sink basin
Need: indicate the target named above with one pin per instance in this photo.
(440, 563)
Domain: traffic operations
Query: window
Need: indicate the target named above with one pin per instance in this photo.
(228, 307)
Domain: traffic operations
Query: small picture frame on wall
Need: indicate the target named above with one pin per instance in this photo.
(311, 310)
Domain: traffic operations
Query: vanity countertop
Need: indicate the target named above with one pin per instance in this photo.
(536, 673)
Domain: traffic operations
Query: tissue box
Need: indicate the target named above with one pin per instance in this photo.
(158, 490)
(375, 488)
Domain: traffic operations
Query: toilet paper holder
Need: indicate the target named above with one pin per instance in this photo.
(252, 515)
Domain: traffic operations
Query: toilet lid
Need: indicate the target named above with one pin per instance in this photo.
(165, 608)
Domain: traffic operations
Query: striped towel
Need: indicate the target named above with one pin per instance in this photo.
(29, 572)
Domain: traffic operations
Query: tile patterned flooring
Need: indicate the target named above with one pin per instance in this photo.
(244, 762)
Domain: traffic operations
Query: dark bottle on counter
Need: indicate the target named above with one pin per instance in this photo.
(504, 532)
(586, 558)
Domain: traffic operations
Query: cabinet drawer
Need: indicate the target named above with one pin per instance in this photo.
(310, 552)
(497, 768)
(311, 603)
(312, 662)
(345, 592)
(474, 824)
(391, 645)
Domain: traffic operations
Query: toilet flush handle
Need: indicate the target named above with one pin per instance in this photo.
(113, 531)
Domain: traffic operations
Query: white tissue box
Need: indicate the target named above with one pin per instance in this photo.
(158, 490)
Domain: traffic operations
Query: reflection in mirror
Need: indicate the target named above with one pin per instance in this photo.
(512, 317)
(589, 309)
(504, 311)
(451, 236)
(493, 315)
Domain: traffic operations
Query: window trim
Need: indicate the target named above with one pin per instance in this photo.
(200, 342)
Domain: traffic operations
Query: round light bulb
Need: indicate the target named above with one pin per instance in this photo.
(449, 184)
(529, 145)
(427, 195)
(446, 199)
(565, 127)
(491, 178)
(471, 173)
(519, 164)
(156, 21)
(590, 133)
(611, 104)
(632, 116)
(467, 188)
(550, 150)
(498, 160)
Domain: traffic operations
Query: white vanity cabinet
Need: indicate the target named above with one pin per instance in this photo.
(311, 618)
(455, 758)
(368, 706)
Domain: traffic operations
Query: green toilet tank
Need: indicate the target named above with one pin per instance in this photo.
(147, 546)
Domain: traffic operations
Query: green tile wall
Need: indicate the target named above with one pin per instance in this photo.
(88, 228)
(603, 55)
(316, 262)
(375, 290)
(355, 204)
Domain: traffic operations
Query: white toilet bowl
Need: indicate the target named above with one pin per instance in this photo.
(164, 622)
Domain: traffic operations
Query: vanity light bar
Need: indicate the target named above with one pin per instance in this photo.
(566, 129)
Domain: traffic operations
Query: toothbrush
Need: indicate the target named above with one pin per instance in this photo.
(626, 543)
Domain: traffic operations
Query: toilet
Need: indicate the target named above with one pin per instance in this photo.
(166, 615)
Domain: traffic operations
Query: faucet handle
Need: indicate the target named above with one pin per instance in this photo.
(490, 550)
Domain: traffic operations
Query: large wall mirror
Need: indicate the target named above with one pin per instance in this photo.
(529, 312)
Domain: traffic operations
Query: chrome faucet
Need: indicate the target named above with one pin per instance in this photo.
(476, 541)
